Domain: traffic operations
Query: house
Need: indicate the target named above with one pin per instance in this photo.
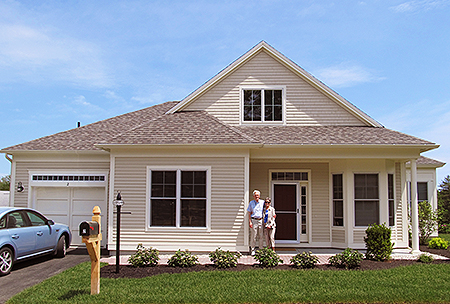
(4, 198)
(186, 170)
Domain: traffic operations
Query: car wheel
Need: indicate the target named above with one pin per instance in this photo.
(6, 261)
(61, 247)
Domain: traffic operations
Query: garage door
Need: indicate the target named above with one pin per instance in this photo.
(71, 206)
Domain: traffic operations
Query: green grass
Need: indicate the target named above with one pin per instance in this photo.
(421, 283)
(445, 236)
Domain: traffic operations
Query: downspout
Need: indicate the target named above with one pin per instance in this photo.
(8, 158)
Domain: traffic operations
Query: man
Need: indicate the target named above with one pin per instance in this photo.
(255, 217)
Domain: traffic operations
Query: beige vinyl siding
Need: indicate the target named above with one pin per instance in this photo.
(227, 204)
(305, 105)
(338, 236)
(320, 200)
(358, 236)
(23, 167)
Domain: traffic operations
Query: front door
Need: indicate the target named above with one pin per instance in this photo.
(286, 208)
(290, 203)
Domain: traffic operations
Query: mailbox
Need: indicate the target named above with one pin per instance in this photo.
(89, 228)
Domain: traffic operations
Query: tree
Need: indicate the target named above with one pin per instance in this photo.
(4, 183)
(444, 205)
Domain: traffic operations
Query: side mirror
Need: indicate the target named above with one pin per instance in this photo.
(50, 222)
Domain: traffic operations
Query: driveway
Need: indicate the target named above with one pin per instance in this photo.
(31, 272)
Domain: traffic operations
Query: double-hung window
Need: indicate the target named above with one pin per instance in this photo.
(338, 200)
(391, 199)
(178, 198)
(367, 199)
(262, 105)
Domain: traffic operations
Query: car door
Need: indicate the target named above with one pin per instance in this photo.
(23, 238)
(45, 236)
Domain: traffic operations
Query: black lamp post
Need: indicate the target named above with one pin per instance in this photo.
(118, 202)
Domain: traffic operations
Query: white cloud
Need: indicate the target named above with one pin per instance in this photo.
(346, 75)
(36, 54)
(419, 5)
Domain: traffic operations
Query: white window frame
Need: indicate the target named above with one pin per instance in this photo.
(262, 121)
(178, 198)
(355, 200)
(333, 200)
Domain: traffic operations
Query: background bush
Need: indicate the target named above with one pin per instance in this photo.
(378, 242)
(304, 260)
(438, 243)
(348, 259)
(428, 220)
(224, 259)
(144, 257)
(183, 259)
(267, 257)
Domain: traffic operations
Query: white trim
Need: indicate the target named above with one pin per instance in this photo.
(307, 238)
(354, 199)
(178, 227)
(262, 88)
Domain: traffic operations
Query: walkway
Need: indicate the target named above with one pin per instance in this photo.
(323, 256)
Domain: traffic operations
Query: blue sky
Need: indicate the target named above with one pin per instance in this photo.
(67, 61)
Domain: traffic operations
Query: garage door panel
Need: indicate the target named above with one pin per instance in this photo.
(71, 206)
(94, 193)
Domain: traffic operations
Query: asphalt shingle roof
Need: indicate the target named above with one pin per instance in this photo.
(151, 126)
(85, 137)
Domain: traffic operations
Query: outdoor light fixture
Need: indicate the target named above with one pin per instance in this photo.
(20, 187)
(119, 203)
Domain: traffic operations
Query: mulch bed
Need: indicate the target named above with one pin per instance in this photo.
(131, 272)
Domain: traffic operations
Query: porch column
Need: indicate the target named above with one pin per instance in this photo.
(414, 208)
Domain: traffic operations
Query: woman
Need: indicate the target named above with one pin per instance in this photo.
(269, 223)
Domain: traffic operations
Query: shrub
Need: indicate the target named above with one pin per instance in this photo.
(267, 257)
(444, 228)
(428, 220)
(425, 258)
(183, 259)
(224, 259)
(438, 243)
(378, 242)
(348, 259)
(304, 260)
(144, 257)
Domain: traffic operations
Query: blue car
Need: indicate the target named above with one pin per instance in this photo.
(26, 233)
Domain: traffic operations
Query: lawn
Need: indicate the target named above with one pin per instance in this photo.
(445, 236)
(420, 283)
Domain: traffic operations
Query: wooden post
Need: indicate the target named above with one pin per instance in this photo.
(93, 247)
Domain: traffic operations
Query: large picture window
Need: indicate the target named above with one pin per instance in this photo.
(263, 105)
(178, 198)
(367, 199)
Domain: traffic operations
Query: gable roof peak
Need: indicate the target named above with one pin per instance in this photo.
(295, 68)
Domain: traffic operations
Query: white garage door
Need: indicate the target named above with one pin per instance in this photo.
(71, 206)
